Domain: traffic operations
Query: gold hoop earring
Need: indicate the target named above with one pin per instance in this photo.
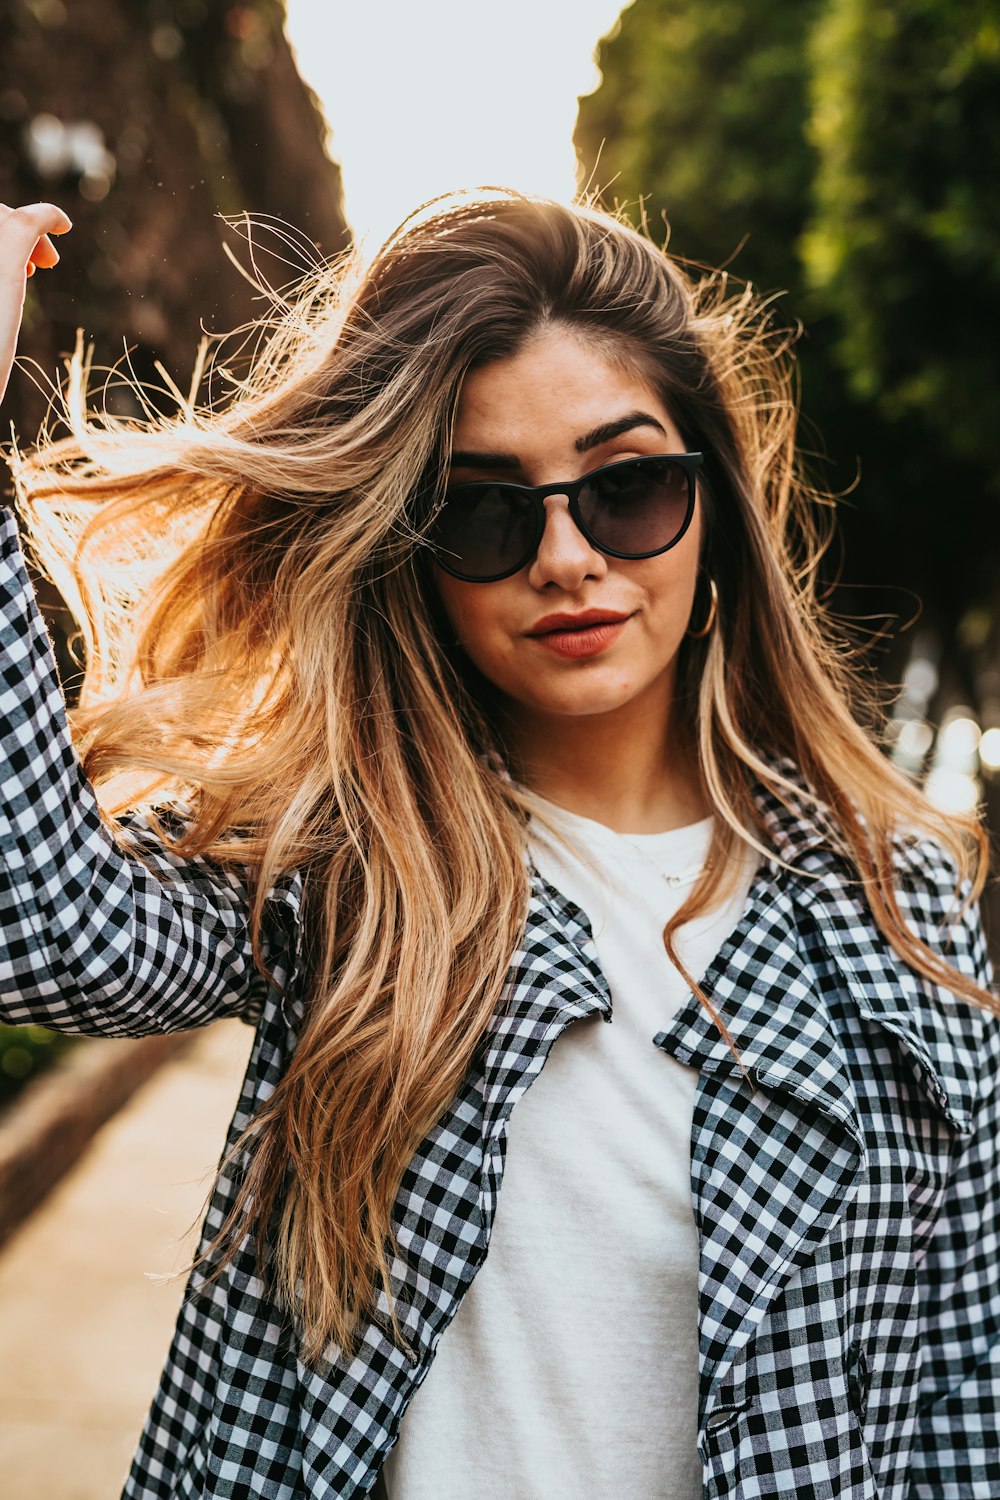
(698, 635)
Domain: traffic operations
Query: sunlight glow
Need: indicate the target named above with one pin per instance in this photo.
(953, 791)
(989, 749)
(430, 98)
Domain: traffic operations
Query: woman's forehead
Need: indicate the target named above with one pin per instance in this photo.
(559, 383)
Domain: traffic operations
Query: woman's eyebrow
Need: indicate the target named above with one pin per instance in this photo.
(603, 434)
(609, 430)
(484, 460)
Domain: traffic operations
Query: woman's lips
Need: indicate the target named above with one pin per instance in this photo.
(585, 640)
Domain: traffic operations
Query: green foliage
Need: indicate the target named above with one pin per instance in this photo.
(26, 1051)
(903, 244)
(701, 112)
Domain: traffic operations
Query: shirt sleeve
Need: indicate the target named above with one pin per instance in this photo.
(95, 936)
(956, 1449)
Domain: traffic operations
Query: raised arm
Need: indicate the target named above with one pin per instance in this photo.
(93, 937)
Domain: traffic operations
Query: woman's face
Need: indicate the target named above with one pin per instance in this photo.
(554, 411)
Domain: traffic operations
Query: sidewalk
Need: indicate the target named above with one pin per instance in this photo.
(83, 1330)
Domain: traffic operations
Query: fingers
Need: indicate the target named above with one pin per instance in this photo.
(44, 254)
(24, 246)
(24, 238)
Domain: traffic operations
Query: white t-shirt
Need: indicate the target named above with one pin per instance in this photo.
(571, 1367)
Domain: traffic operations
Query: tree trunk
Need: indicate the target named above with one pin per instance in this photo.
(146, 120)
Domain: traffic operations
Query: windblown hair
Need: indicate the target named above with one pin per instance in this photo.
(264, 649)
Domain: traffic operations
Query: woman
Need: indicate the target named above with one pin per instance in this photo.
(462, 686)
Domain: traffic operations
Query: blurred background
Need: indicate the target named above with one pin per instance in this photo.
(840, 155)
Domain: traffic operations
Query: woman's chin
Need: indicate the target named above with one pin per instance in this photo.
(580, 699)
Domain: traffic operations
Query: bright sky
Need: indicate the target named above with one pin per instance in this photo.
(426, 96)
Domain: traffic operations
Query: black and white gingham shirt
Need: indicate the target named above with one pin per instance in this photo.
(848, 1205)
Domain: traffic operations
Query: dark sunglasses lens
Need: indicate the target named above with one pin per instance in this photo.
(636, 508)
(484, 530)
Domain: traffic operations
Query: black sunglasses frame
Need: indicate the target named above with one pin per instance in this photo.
(689, 462)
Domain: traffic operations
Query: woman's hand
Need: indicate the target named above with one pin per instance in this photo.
(24, 247)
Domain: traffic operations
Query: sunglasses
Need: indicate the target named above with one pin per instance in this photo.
(637, 507)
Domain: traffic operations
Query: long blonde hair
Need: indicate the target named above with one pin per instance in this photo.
(264, 649)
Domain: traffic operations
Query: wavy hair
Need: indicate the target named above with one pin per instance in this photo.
(264, 648)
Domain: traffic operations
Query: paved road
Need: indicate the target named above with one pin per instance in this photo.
(83, 1328)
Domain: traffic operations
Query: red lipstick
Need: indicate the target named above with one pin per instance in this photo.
(584, 634)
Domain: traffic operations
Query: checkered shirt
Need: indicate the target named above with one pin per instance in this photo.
(846, 1198)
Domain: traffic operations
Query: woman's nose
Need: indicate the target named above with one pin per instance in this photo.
(564, 554)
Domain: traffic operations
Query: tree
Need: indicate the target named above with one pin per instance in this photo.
(161, 116)
(902, 245)
(701, 113)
